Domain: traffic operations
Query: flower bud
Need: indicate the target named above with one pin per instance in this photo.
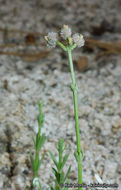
(65, 32)
(78, 39)
(52, 36)
(51, 39)
(51, 44)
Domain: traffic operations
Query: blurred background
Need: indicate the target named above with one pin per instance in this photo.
(30, 72)
(23, 24)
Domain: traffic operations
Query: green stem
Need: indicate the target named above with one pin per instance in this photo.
(74, 89)
(61, 45)
(36, 170)
(36, 161)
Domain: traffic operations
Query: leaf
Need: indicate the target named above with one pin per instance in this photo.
(82, 154)
(34, 141)
(40, 142)
(65, 147)
(53, 158)
(40, 187)
(60, 150)
(40, 117)
(51, 187)
(61, 178)
(60, 145)
(67, 174)
(40, 105)
(64, 160)
(36, 164)
(32, 160)
(41, 120)
(57, 175)
(37, 141)
(79, 157)
(40, 161)
(54, 171)
(66, 188)
(76, 156)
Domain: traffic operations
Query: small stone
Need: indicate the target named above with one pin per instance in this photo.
(81, 63)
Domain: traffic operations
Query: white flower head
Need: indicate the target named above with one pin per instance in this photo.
(65, 32)
(51, 44)
(78, 39)
(51, 39)
(52, 36)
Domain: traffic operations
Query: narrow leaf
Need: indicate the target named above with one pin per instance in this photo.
(32, 160)
(34, 141)
(36, 165)
(41, 141)
(40, 161)
(54, 171)
(60, 145)
(67, 174)
(82, 154)
(60, 150)
(64, 160)
(53, 158)
(51, 187)
(76, 156)
(40, 120)
(57, 175)
(61, 178)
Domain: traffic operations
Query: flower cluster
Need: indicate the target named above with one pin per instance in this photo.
(66, 34)
(51, 39)
(78, 39)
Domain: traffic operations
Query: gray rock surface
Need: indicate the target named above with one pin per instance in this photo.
(23, 84)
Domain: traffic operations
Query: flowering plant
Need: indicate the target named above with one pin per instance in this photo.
(66, 34)
(71, 42)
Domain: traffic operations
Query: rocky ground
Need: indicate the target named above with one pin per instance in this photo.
(23, 84)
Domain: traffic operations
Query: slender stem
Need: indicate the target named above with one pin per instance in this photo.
(36, 161)
(74, 89)
(61, 45)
